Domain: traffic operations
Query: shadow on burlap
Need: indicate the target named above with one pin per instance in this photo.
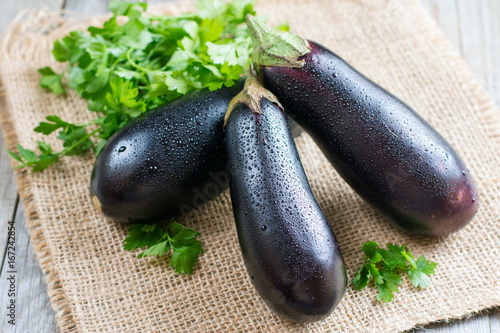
(95, 286)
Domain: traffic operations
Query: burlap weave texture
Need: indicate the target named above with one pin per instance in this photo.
(96, 286)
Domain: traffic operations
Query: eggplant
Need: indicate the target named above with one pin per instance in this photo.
(166, 162)
(382, 148)
(288, 247)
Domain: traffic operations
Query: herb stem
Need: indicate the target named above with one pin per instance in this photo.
(142, 69)
(115, 63)
(79, 142)
(133, 63)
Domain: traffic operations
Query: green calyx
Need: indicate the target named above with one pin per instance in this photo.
(251, 95)
(274, 47)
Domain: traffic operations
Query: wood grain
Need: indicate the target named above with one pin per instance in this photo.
(8, 194)
(473, 26)
(33, 309)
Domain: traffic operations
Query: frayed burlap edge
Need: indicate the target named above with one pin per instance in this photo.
(19, 42)
(38, 239)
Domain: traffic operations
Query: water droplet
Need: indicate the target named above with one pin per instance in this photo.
(263, 228)
(122, 149)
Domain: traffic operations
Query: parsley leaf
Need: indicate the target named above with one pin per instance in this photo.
(123, 97)
(384, 267)
(28, 158)
(419, 275)
(48, 127)
(179, 240)
(51, 80)
(361, 279)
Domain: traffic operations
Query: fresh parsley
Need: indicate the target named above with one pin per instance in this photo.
(384, 267)
(174, 238)
(131, 65)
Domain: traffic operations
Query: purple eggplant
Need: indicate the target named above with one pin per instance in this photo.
(165, 163)
(382, 148)
(287, 244)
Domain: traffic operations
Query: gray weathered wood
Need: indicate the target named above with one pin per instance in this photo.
(495, 322)
(477, 324)
(473, 26)
(491, 46)
(88, 8)
(8, 194)
(33, 310)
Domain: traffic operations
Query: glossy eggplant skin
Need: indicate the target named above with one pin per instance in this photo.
(289, 249)
(386, 152)
(167, 162)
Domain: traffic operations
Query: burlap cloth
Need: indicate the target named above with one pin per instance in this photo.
(96, 286)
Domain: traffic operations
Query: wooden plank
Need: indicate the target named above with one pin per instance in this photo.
(33, 312)
(472, 46)
(446, 15)
(490, 13)
(495, 321)
(477, 324)
(88, 8)
(8, 195)
(158, 1)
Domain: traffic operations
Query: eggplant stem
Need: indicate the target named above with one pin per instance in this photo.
(275, 47)
(252, 94)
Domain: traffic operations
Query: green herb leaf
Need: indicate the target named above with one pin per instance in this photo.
(125, 8)
(142, 235)
(223, 53)
(385, 291)
(384, 267)
(44, 161)
(123, 97)
(420, 276)
(15, 156)
(26, 154)
(28, 158)
(175, 239)
(361, 279)
(48, 127)
(51, 80)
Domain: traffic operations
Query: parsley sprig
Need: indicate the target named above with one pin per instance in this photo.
(384, 267)
(129, 66)
(174, 238)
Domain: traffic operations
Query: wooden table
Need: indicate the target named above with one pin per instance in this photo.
(473, 26)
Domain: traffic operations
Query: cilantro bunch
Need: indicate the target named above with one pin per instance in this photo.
(384, 267)
(135, 62)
